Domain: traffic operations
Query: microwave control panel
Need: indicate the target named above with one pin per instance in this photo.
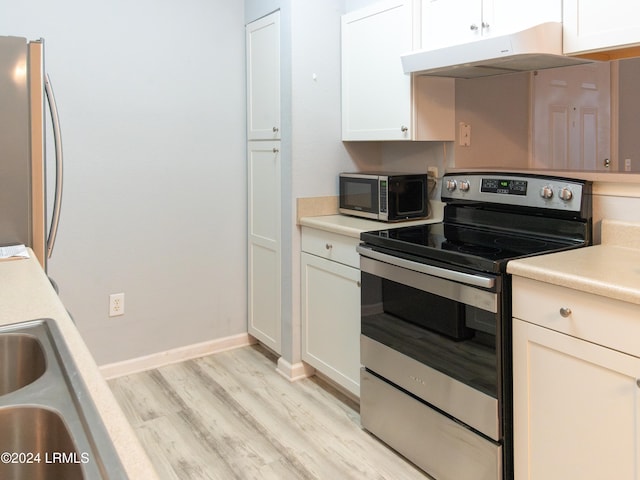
(384, 195)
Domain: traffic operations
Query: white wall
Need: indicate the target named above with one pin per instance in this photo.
(318, 154)
(497, 109)
(151, 99)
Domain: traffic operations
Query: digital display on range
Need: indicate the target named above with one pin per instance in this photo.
(505, 187)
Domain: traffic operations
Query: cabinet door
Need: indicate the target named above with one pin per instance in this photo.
(376, 94)
(453, 22)
(331, 320)
(590, 26)
(263, 78)
(264, 242)
(450, 22)
(502, 17)
(576, 408)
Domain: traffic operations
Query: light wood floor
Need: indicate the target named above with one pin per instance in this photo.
(232, 416)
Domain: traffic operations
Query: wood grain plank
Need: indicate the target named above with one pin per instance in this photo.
(143, 397)
(231, 415)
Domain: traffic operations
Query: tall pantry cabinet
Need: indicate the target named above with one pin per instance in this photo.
(264, 174)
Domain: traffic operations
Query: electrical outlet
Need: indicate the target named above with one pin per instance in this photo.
(465, 134)
(627, 164)
(116, 304)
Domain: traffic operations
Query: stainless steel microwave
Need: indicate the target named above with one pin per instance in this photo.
(389, 197)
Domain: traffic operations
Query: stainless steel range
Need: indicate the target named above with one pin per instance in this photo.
(436, 318)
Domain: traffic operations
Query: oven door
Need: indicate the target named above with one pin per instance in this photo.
(434, 333)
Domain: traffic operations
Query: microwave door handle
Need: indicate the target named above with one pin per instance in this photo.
(55, 122)
(468, 278)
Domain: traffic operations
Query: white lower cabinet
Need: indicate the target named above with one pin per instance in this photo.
(576, 402)
(331, 307)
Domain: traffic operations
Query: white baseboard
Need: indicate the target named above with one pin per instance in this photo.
(156, 360)
(293, 372)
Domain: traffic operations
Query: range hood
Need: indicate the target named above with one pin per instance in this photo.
(536, 48)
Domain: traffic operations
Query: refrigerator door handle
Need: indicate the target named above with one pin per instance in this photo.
(55, 121)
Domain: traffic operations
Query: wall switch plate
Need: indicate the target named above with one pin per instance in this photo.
(627, 164)
(116, 304)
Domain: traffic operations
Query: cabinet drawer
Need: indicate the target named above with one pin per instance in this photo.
(594, 318)
(332, 246)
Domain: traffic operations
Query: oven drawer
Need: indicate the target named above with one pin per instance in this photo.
(439, 389)
(332, 246)
(441, 447)
(594, 318)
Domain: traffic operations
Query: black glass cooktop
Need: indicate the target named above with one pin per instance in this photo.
(466, 246)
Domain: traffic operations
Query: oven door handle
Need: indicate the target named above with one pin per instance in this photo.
(468, 278)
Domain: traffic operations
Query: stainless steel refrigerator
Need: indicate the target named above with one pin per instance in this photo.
(24, 88)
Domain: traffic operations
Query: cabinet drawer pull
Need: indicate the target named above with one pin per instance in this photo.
(359, 284)
(565, 312)
(328, 246)
(638, 382)
(276, 129)
(404, 129)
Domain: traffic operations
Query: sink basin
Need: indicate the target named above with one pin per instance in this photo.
(42, 438)
(22, 361)
(47, 416)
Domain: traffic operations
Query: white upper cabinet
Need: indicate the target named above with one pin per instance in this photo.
(453, 22)
(591, 25)
(380, 102)
(263, 78)
(508, 16)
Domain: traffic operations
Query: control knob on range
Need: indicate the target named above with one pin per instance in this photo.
(451, 185)
(546, 192)
(566, 194)
(464, 185)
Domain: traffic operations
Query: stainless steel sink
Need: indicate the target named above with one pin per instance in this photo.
(21, 361)
(43, 440)
(49, 426)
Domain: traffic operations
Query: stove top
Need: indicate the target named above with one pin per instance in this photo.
(491, 218)
(466, 246)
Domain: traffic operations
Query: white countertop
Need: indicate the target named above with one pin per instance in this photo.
(27, 294)
(354, 226)
(611, 269)
(605, 270)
